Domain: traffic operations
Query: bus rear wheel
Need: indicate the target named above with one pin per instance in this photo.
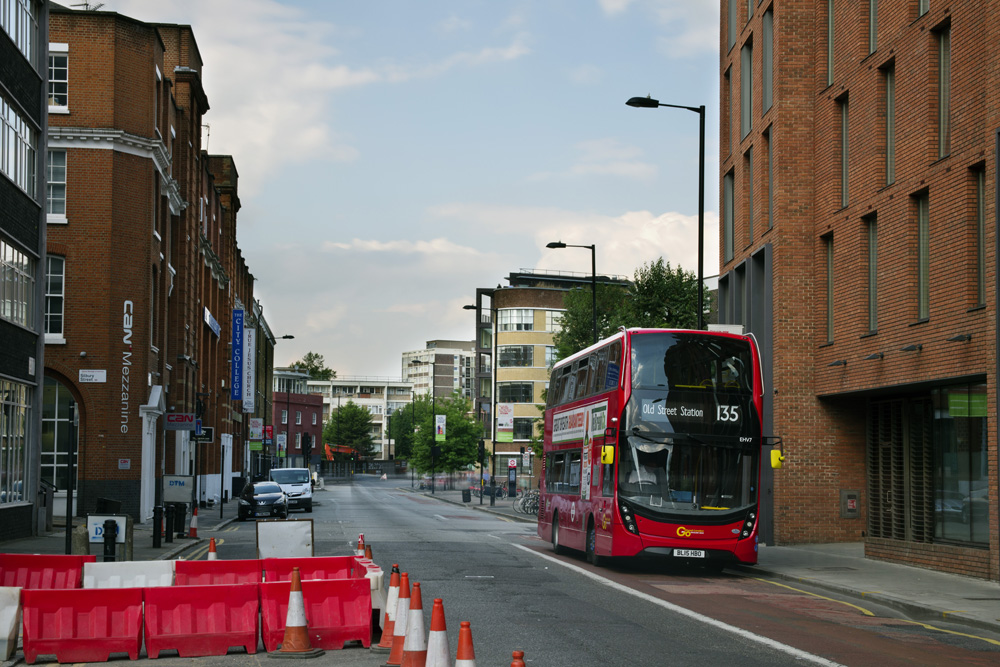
(556, 547)
(592, 557)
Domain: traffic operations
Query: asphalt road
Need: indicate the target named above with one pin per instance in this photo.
(561, 611)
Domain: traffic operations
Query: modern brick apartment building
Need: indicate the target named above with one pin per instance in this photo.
(144, 271)
(23, 26)
(858, 170)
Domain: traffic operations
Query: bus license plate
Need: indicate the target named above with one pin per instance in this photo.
(689, 553)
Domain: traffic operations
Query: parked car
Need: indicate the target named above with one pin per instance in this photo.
(262, 499)
(297, 485)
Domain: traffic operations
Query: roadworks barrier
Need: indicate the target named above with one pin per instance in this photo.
(199, 621)
(129, 574)
(339, 611)
(43, 571)
(10, 620)
(217, 572)
(82, 625)
(316, 567)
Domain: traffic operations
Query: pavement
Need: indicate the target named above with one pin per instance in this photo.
(841, 568)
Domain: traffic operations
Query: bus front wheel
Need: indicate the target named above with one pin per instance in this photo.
(556, 547)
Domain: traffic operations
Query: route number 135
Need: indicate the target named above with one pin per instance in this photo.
(727, 413)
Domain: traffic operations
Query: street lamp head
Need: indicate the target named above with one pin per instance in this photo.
(287, 337)
(555, 244)
(643, 102)
(468, 307)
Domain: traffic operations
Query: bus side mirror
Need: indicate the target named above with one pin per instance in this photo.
(777, 458)
(608, 454)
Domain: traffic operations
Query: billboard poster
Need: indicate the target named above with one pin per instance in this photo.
(505, 422)
(236, 367)
(249, 367)
(439, 427)
(256, 428)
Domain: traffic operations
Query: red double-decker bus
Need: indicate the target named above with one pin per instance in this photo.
(653, 446)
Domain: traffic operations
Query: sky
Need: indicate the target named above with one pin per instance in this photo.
(394, 155)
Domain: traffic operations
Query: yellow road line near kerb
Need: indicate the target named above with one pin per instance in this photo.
(869, 613)
(203, 550)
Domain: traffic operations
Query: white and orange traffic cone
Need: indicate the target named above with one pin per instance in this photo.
(402, 615)
(360, 551)
(368, 551)
(212, 553)
(415, 646)
(466, 656)
(389, 618)
(193, 531)
(438, 653)
(518, 660)
(296, 641)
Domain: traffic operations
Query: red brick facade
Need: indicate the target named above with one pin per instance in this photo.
(857, 411)
(152, 269)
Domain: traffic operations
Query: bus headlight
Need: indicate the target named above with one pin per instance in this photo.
(628, 519)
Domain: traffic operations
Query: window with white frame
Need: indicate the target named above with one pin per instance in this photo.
(58, 78)
(516, 319)
(298, 417)
(18, 145)
(553, 320)
(58, 445)
(18, 19)
(17, 286)
(55, 293)
(284, 416)
(15, 429)
(314, 419)
(55, 200)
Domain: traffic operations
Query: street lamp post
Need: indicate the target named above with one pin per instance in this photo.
(650, 103)
(593, 275)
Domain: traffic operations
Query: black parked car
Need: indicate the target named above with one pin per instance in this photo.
(262, 499)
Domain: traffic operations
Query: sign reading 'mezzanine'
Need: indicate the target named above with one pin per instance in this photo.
(126, 362)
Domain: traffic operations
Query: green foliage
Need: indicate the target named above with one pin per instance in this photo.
(350, 425)
(314, 364)
(460, 449)
(659, 296)
(403, 425)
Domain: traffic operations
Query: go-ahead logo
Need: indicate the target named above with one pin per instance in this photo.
(688, 532)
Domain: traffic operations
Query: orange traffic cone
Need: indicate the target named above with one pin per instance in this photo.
(389, 618)
(193, 531)
(296, 641)
(368, 551)
(415, 646)
(399, 630)
(466, 656)
(518, 660)
(212, 553)
(361, 545)
(437, 642)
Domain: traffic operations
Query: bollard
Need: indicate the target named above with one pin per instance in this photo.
(110, 533)
(493, 493)
(157, 525)
(169, 532)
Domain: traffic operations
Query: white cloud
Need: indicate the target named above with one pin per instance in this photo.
(605, 157)
(613, 7)
(433, 247)
(454, 24)
(586, 75)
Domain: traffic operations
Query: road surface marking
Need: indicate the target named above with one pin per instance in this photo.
(745, 634)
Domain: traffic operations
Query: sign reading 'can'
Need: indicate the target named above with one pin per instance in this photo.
(179, 421)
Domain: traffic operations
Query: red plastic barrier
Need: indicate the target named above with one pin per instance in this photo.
(319, 567)
(337, 611)
(201, 620)
(82, 625)
(43, 571)
(217, 572)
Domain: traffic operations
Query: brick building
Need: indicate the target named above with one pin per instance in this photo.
(143, 268)
(23, 26)
(857, 173)
(296, 413)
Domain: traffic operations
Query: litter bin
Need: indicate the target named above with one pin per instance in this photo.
(466, 495)
(180, 514)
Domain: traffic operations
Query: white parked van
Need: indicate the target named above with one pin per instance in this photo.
(296, 484)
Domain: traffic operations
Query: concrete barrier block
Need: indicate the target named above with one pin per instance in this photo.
(10, 620)
(129, 574)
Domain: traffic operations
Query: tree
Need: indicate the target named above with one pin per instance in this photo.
(351, 425)
(659, 296)
(461, 446)
(314, 365)
(403, 424)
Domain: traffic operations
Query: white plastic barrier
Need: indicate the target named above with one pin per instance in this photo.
(377, 578)
(10, 620)
(129, 574)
